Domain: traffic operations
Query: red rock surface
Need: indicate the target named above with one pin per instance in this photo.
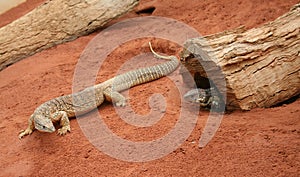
(260, 142)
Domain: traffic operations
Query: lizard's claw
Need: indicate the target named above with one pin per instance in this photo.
(63, 130)
(23, 133)
(121, 103)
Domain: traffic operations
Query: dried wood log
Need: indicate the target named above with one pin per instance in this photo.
(259, 67)
(56, 22)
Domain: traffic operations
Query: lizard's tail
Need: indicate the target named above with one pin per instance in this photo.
(156, 55)
(143, 75)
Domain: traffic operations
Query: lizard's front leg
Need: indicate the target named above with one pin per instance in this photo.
(62, 117)
(29, 129)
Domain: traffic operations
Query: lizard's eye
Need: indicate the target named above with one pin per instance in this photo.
(44, 127)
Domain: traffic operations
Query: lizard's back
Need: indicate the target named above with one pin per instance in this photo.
(91, 97)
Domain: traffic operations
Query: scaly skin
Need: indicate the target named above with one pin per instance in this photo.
(206, 98)
(62, 108)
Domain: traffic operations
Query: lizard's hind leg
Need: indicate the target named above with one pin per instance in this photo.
(115, 97)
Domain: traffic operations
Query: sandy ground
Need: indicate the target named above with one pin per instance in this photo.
(260, 142)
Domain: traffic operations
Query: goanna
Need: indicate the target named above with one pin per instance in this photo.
(206, 98)
(62, 108)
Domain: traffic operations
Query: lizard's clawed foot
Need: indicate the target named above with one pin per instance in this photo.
(23, 133)
(64, 130)
(121, 103)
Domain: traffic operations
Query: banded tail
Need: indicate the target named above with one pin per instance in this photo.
(147, 74)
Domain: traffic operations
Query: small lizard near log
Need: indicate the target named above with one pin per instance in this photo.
(209, 98)
(62, 108)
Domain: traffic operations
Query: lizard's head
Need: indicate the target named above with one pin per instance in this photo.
(194, 96)
(43, 124)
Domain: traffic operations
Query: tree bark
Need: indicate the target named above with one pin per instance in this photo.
(259, 67)
(56, 22)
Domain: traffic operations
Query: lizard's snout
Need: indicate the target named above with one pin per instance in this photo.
(49, 129)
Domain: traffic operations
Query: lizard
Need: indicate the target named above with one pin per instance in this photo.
(206, 98)
(62, 108)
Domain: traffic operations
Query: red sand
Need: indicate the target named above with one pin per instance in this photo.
(260, 142)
